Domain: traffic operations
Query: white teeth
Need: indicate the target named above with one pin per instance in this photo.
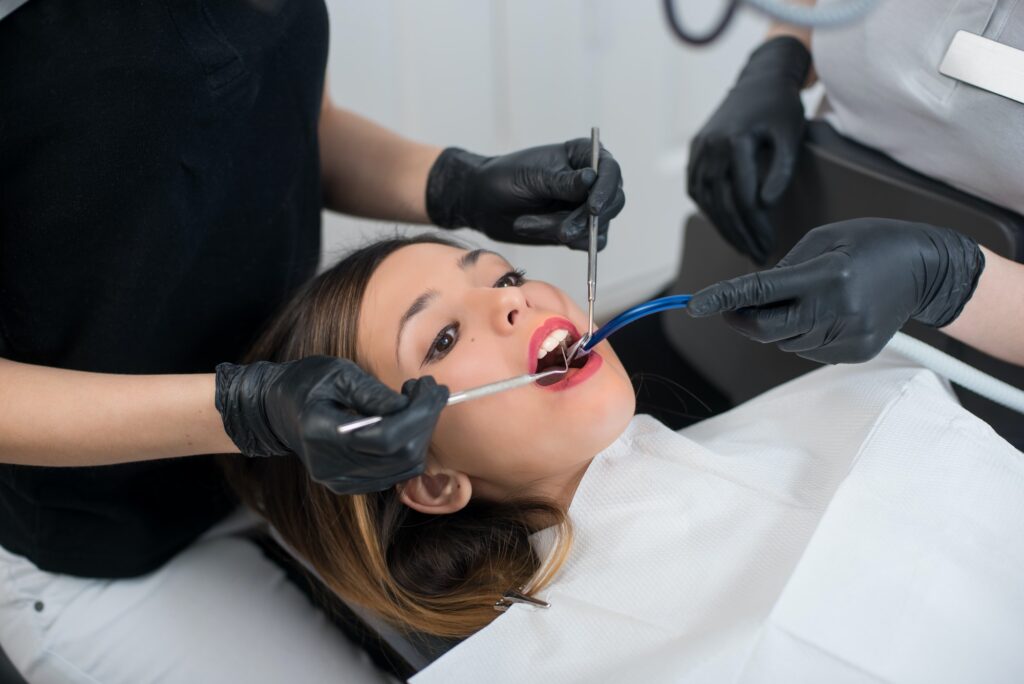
(551, 342)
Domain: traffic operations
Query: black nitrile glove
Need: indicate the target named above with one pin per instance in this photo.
(542, 195)
(846, 288)
(275, 409)
(762, 117)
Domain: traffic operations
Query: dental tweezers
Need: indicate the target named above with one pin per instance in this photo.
(467, 395)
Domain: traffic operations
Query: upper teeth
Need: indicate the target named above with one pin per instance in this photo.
(551, 342)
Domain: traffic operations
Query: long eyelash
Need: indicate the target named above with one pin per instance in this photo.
(519, 275)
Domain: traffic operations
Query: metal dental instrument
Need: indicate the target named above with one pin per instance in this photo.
(470, 394)
(595, 153)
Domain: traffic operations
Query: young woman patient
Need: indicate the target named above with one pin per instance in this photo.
(436, 552)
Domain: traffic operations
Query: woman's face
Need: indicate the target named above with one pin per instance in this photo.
(468, 318)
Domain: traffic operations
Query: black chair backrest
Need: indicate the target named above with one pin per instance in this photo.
(838, 179)
(9, 675)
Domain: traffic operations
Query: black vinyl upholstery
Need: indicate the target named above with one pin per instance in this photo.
(8, 675)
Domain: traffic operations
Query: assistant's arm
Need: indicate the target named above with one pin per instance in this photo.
(370, 171)
(993, 319)
(53, 417)
(801, 33)
(845, 288)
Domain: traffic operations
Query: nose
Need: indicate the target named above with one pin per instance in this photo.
(504, 306)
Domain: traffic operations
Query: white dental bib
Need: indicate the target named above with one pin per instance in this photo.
(854, 525)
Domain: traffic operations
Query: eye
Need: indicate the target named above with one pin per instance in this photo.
(512, 279)
(442, 344)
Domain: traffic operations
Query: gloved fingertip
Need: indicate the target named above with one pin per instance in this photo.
(527, 226)
(571, 232)
(414, 386)
(703, 305)
(376, 398)
(427, 387)
(610, 208)
(777, 181)
(771, 193)
(587, 177)
(536, 229)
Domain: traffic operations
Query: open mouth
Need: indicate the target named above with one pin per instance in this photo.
(555, 358)
(549, 347)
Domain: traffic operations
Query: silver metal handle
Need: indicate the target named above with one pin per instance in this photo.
(595, 153)
(466, 395)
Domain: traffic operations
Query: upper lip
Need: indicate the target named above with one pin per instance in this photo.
(545, 329)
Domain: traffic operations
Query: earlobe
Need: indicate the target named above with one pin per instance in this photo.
(436, 493)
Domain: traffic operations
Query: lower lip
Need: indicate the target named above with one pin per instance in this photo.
(576, 376)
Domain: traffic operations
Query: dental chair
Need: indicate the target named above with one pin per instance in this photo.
(8, 675)
(837, 179)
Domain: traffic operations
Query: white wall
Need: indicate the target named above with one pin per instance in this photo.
(498, 75)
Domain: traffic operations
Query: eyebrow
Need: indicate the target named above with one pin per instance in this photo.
(418, 305)
(469, 259)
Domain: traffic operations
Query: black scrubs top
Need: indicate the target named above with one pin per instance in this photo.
(159, 199)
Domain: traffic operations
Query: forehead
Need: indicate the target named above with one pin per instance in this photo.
(399, 279)
(407, 273)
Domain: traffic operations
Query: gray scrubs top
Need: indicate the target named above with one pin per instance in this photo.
(884, 89)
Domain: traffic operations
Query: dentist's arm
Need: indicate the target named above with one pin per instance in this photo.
(54, 417)
(539, 195)
(368, 170)
(846, 288)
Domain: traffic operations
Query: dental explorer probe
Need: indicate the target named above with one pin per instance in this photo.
(595, 153)
(574, 351)
(467, 395)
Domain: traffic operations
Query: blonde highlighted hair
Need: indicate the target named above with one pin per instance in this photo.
(433, 574)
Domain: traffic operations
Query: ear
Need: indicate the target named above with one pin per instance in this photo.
(436, 492)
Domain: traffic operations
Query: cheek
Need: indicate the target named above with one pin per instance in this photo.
(530, 433)
(541, 295)
(484, 438)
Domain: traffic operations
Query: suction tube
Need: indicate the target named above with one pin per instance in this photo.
(941, 363)
(958, 372)
(637, 312)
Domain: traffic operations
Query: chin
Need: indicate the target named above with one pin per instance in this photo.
(599, 419)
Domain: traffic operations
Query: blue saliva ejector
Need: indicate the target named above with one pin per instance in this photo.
(588, 342)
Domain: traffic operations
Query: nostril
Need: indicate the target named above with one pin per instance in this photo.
(512, 316)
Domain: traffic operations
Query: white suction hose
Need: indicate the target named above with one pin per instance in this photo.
(958, 372)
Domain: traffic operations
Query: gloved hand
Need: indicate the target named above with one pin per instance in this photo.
(761, 115)
(275, 409)
(538, 195)
(846, 288)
